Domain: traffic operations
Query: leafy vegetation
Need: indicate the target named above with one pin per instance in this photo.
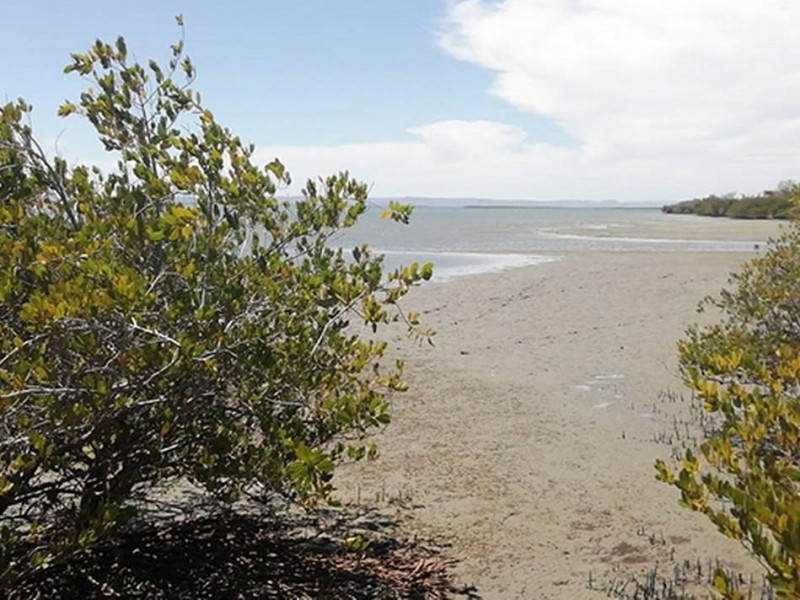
(170, 318)
(746, 369)
(777, 204)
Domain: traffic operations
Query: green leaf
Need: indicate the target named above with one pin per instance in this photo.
(121, 48)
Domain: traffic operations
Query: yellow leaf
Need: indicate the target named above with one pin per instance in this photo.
(721, 582)
(181, 212)
(5, 485)
(66, 109)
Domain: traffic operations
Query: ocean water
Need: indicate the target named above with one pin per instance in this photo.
(468, 241)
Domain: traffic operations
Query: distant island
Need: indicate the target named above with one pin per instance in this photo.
(780, 203)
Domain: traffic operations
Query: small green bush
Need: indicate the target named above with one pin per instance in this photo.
(170, 318)
(746, 370)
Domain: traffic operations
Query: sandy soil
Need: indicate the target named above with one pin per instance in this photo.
(526, 444)
(688, 227)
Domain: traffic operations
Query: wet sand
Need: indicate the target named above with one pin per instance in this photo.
(527, 440)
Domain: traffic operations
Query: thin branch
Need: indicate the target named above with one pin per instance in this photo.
(43, 391)
(56, 180)
(162, 336)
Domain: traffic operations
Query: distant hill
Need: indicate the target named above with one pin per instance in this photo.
(782, 203)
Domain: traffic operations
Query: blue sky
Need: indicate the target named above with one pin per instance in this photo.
(508, 99)
(298, 72)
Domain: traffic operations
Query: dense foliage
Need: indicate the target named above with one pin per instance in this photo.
(775, 204)
(746, 369)
(170, 318)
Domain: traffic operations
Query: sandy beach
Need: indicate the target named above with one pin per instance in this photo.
(526, 443)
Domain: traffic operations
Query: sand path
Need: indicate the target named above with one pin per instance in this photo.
(528, 438)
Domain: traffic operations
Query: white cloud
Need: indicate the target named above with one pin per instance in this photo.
(664, 100)
(467, 159)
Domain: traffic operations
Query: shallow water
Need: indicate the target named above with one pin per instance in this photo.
(468, 241)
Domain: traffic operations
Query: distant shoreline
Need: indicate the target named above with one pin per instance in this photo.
(552, 206)
(781, 205)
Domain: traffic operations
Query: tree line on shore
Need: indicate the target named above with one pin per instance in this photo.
(770, 204)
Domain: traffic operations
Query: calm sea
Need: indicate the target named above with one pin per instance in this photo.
(467, 241)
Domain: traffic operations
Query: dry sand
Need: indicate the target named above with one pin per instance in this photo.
(527, 441)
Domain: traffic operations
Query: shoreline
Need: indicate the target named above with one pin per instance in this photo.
(680, 235)
(528, 438)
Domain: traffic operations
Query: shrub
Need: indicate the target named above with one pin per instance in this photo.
(170, 318)
(761, 207)
(746, 369)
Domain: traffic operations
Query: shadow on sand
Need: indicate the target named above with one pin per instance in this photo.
(234, 555)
